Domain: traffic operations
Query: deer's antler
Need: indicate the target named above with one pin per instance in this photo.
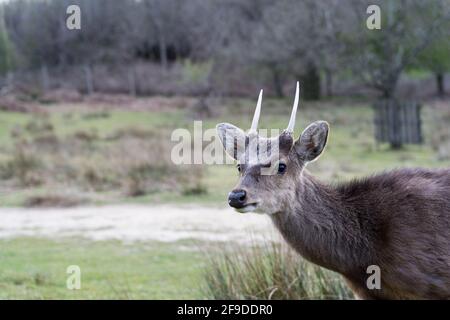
(291, 125)
(255, 121)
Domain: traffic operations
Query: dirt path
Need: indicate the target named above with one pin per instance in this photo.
(135, 223)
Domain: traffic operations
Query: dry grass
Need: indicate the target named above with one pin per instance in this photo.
(23, 166)
(52, 201)
(271, 271)
(129, 162)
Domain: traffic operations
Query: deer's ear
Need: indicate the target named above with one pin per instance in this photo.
(232, 138)
(312, 141)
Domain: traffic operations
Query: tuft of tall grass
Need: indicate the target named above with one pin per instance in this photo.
(23, 165)
(271, 271)
(145, 166)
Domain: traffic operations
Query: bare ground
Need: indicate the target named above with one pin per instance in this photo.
(131, 223)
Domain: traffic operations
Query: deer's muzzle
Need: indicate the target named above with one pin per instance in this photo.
(237, 198)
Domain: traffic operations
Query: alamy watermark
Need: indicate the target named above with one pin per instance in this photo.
(204, 147)
(73, 21)
(374, 280)
(373, 22)
(73, 281)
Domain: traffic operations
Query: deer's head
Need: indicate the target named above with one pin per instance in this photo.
(270, 168)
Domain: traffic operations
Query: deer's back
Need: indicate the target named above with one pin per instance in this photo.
(405, 214)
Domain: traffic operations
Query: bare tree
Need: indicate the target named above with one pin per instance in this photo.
(380, 56)
(271, 41)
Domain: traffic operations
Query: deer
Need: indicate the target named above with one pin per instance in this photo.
(398, 220)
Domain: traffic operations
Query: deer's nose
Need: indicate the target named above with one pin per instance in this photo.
(236, 198)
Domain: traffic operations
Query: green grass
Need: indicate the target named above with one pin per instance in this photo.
(8, 121)
(113, 121)
(32, 268)
(66, 123)
(36, 268)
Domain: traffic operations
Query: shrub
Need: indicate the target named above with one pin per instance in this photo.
(86, 136)
(272, 271)
(41, 124)
(23, 165)
(144, 167)
(46, 201)
(136, 182)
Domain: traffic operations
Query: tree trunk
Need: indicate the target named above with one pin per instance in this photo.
(6, 83)
(310, 83)
(394, 124)
(9, 79)
(395, 137)
(45, 82)
(277, 82)
(163, 50)
(132, 82)
(440, 84)
(328, 83)
(88, 78)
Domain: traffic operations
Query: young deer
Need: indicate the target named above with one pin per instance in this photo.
(398, 220)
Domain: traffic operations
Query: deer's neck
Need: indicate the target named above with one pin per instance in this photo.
(323, 228)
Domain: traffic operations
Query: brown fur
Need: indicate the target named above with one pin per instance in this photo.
(398, 220)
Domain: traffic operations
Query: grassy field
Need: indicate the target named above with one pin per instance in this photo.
(121, 155)
(36, 269)
(72, 155)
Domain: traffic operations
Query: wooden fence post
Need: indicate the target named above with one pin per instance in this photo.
(398, 122)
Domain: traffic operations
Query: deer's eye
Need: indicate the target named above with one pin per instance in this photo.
(238, 167)
(281, 168)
